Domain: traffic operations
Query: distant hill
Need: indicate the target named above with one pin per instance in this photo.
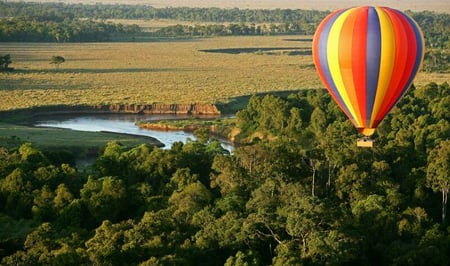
(414, 5)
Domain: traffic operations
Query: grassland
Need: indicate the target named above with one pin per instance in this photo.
(49, 138)
(169, 71)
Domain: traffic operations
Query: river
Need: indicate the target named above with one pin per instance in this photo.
(122, 123)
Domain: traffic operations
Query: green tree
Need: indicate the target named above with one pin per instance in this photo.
(438, 177)
(243, 259)
(248, 118)
(16, 189)
(274, 113)
(304, 216)
(202, 134)
(287, 254)
(43, 207)
(49, 175)
(63, 197)
(295, 123)
(264, 224)
(105, 247)
(39, 243)
(5, 60)
(105, 198)
(157, 240)
(414, 222)
(182, 178)
(57, 60)
(225, 232)
(318, 121)
(228, 175)
(190, 200)
(32, 157)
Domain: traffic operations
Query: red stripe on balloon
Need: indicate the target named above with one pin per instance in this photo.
(359, 50)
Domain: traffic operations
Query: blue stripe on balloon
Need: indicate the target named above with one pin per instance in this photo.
(418, 61)
(323, 59)
(373, 57)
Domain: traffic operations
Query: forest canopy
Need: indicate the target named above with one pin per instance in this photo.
(298, 192)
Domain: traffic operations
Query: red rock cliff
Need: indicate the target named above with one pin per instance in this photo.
(155, 108)
(161, 108)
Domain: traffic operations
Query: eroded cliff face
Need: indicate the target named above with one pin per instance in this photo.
(161, 108)
(155, 108)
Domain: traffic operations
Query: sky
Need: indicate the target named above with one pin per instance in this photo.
(414, 5)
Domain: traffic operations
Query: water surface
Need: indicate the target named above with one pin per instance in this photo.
(121, 123)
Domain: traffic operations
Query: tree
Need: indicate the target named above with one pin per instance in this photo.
(273, 114)
(16, 189)
(105, 197)
(5, 60)
(57, 60)
(63, 197)
(318, 121)
(438, 177)
(242, 259)
(202, 135)
(105, 247)
(190, 200)
(295, 123)
(182, 178)
(229, 175)
(33, 157)
(43, 207)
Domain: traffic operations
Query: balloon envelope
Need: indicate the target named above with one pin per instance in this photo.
(367, 58)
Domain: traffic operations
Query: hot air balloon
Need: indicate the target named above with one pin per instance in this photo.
(367, 57)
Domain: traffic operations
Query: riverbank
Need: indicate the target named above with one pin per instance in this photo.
(219, 127)
(20, 115)
(19, 126)
(79, 144)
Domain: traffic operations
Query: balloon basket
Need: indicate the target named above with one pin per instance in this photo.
(365, 142)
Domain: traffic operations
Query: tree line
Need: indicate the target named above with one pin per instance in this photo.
(104, 11)
(434, 25)
(22, 29)
(235, 29)
(437, 54)
(296, 192)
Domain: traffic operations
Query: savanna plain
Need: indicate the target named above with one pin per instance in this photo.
(197, 70)
(169, 71)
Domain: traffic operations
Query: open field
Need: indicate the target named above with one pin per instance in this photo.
(167, 71)
(48, 138)
(176, 71)
(415, 5)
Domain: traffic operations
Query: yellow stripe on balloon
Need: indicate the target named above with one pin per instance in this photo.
(333, 63)
(387, 56)
(346, 54)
